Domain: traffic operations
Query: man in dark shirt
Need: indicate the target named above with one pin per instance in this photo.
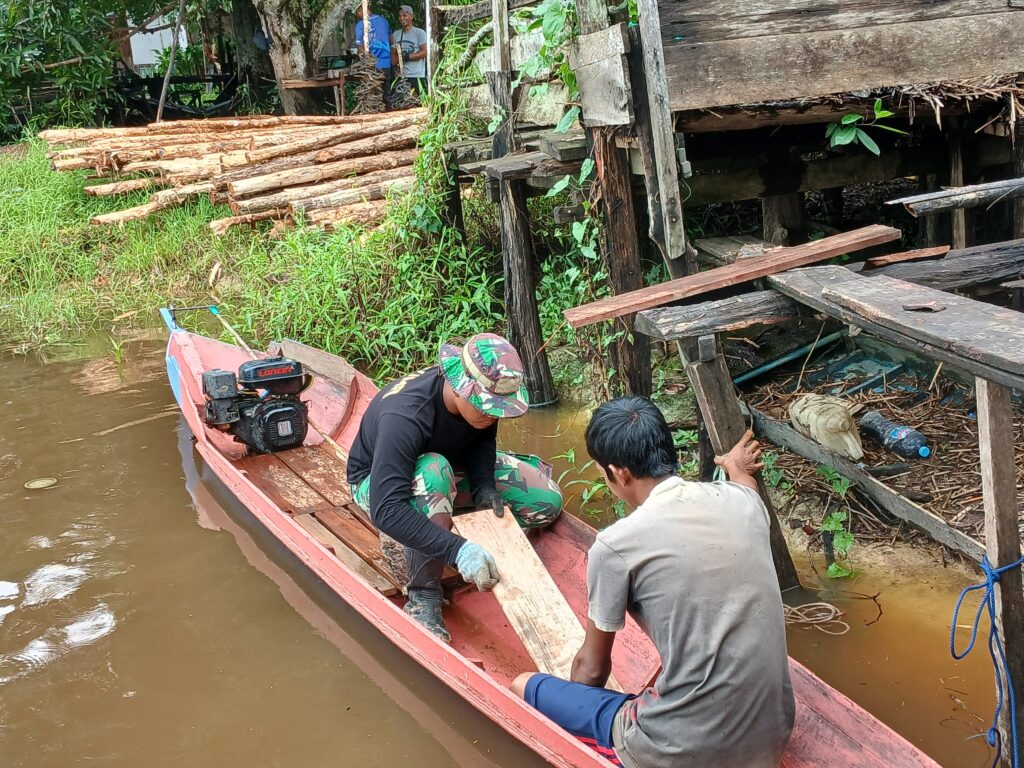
(426, 445)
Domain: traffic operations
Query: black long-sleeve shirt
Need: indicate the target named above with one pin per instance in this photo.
(405, 420)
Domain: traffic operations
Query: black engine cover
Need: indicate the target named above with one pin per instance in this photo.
(271, 424)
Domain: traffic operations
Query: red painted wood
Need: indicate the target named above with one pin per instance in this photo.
(830, 728)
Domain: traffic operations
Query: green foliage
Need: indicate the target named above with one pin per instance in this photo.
(556, 20)
(836, 523)
(773, 474)
(850, 129)
(588, 489)
(37, 33)
(684, 439)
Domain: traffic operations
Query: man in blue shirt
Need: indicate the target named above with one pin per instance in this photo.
(380, 46)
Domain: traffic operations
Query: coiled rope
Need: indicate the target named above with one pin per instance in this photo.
(824, 617)
(995, 650)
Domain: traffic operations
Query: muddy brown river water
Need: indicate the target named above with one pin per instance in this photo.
(145, 622)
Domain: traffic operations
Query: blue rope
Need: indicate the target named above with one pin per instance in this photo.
(995, 651)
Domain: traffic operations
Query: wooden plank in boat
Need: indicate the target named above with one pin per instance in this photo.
(382, 584)
(320, 470)
(286, 489)
(533, 604)
(450, 575)
(363, 542)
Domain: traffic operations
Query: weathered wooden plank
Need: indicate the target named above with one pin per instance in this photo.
(732, 314)
(533, 604)
(808, 285)
(605, 93)
(664, 186)
(280, 484)
(459, 14)
(597, 46)
(341, 551)
(1002, 531)
(718, 251)
(732, 274)
(716, 396)
(316, 360)
(365, 543)
(807, 64)
(322, 471)
(971, 329)
(918, 254)
(568, 149)
(970, 196)
(963, 268)
(785, 436)
(712, 20)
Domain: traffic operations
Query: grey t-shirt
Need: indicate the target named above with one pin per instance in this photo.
(411, 41)
(693, 566)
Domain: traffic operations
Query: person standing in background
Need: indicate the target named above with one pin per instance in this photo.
(411, 44)
(380, 46)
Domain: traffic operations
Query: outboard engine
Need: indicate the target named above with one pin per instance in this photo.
(261, 407)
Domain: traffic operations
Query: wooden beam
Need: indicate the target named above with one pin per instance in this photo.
(710, 317)
(964, 268)
(1018, 169)
(957, 217)
(459, 14)
(974, 330)
(732, 274)
(954, 198)
(807, 286)
(918, 254)
(821, 61)
(784, 219)
(602, 75)
(1002, 534)
(774, 114)
(665, 185)
(643, 138)
(716, 396)
(785, 436)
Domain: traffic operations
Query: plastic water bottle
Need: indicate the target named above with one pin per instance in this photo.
(907, 442)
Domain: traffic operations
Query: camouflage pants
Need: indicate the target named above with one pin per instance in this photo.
(525, 483)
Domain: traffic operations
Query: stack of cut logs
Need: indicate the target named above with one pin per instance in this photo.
(334, 170)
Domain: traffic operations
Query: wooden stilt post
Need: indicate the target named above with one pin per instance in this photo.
(930, 225)
(516, 237)
(1002, 536)
(716, 397)
(958, 217)
(1018, 172)
(632, 354)
(784, 218)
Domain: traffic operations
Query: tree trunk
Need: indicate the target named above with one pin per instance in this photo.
(252, 65)
(297, 35)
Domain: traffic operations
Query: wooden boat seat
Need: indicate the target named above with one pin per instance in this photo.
(309, 484)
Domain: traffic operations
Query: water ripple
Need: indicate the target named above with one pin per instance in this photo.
(8, 590)
(57, 641)
(52, 582)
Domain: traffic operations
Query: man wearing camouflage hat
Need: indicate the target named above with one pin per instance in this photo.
(426, 445)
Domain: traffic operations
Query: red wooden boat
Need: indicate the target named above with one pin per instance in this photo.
(301, 497)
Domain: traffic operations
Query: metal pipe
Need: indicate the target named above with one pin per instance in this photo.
(771, 365)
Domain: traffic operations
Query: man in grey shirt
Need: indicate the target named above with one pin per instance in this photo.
(410, 43)
(692, 564)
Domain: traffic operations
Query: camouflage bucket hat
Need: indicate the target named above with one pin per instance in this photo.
(488, 373)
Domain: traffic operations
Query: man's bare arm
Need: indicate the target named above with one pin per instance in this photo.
(743, 461)
(593, 664)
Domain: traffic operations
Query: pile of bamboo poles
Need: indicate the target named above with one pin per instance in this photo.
(334, 170)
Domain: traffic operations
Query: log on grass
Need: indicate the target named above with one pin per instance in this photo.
(119, 187)
(402, 138)
(349, 196)
(370, 154)
(220, 227)
(331, 138)
(365, 213)
(164, 199)
(286, 197)
(193, 168)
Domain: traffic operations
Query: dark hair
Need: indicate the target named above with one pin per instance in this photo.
(630, 432)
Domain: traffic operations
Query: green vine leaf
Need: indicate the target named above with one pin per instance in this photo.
(586, 168)
(568, 120)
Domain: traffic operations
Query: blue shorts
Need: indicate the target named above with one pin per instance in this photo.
(583, 710)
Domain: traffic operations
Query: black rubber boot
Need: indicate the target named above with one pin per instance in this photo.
(425, 594)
